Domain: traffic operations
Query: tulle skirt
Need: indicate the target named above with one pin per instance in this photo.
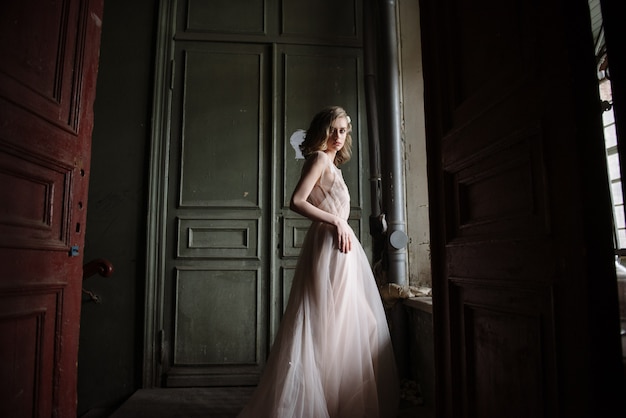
(332, 356)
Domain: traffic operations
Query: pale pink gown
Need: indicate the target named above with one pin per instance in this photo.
(332, 356)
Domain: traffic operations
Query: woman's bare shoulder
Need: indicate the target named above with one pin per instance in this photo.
(316, 155)
(316, 158)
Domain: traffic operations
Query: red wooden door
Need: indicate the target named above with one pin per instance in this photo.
(524, 286)
(48, 65)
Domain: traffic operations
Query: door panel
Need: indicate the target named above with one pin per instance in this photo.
(521, 241)
(47, 88)
(335, 21)
(238, 16)
(221, 135)
(36, 70)
(204, 331)
(504, 328)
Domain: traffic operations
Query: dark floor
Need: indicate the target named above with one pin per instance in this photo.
(202, 403)
(185, 403)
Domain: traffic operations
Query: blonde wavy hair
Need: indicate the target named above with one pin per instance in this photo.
(319, 131)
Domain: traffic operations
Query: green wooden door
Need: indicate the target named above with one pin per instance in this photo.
(215, 282)
(223, 246)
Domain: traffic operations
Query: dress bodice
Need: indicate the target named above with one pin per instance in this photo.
(330, 193)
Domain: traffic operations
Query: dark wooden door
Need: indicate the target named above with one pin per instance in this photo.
(48, 72)
(524, 287)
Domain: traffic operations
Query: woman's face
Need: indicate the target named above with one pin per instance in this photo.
(337, 135)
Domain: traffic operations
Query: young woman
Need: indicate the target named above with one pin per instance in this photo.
(332, 356)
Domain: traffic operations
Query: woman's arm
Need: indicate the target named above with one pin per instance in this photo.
(313, 168)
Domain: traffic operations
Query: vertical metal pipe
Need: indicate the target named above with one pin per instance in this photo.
(391, 146)
(392, 178)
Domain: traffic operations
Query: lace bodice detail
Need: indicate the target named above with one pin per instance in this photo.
(330, 193)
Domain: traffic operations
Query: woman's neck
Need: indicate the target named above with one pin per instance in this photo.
(331, 154)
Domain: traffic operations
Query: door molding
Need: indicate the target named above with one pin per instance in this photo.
(157, 204)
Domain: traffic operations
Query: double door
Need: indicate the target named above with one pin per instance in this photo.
(225, 243)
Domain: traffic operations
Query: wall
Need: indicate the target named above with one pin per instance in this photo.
(414, 137)
(111, 331)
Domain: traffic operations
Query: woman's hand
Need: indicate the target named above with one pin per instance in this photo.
(344, 235)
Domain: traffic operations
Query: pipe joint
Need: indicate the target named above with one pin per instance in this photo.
(398, 240)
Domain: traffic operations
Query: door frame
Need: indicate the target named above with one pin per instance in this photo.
(157, 203)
